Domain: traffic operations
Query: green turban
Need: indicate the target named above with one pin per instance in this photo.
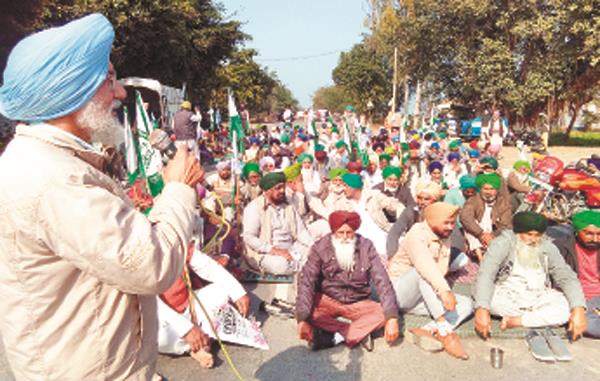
(334, 130)
(385, 156)
(524, 222)
(391, 171)
(305, 156)
(521, 163)
(285, 138)
(341, 144)
(350, 108)
(292, 172)
(454, 144)
(319, 147)
(467, 182)
(335, 172)
(269, 180)
(443, 135)
(249, 168)
(488, 160)
(404, 147)
(584, 219)
(491, 178)
(353, 180)
(296, 127)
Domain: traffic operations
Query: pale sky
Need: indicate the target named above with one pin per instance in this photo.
(284, 29)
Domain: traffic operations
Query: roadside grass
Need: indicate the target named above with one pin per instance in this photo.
(577, 139)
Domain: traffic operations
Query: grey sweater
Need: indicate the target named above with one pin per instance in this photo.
(498, 262)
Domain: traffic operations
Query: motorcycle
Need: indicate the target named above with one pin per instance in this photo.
(558, 192)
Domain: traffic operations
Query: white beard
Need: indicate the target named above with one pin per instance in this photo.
(307, 174)
(528, 255)
(101, 125)
(344, 253)
(337, 189)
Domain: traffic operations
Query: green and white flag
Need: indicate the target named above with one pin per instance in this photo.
(134, 170)
(236, 131)
(150, 158)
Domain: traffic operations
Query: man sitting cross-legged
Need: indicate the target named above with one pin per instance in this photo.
(418, 273)
(275, 237)
(336, 283)
(514, 281)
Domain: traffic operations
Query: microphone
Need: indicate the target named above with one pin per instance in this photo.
(161, 141)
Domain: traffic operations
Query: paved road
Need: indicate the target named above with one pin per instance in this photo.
(289, 360)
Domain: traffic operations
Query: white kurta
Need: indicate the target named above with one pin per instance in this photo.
(173, 326)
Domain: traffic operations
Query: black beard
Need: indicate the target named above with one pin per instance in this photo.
(588, 246)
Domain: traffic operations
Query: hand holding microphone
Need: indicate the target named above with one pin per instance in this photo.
(184, 168)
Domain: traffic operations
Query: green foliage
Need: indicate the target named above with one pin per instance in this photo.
(333, 98)
(519, 56)
(362, 74)
(173, 41)
(576, 139)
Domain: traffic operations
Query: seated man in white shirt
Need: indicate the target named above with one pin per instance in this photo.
(183, 326)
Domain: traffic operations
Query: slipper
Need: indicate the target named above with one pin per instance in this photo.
(557, 345)
(539, 347)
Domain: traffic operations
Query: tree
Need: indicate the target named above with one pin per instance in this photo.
(363, 74)
(173, 41)
(523, 57)
(333, 98)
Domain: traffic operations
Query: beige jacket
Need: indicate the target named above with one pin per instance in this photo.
(422, 249)
(79, 265)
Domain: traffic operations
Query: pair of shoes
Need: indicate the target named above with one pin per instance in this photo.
(425, 340)
(276, 310)
(321, 340)
(452, 345)
(367, 343)
(547, 347)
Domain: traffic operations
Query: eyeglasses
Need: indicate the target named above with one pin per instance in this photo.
(112, 78)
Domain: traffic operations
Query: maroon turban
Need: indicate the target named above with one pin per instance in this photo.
(354, 167)
(320, 155)
(341, 217)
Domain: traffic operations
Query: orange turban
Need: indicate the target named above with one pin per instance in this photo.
(438, 212)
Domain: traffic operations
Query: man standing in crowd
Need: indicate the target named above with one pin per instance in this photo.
(336, 282)
(79, 266)
(185, 127)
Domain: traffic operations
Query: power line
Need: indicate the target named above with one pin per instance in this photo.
(299, 58)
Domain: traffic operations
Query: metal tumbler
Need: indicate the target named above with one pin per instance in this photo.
(496, 357)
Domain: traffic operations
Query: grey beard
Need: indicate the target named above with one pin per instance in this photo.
(528, 255)
(344, 253)
(101, 125)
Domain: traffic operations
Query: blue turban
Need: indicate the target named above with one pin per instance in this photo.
(474, 153)
(56, 71)
(434, 165)
(435, 145)
(453, 156)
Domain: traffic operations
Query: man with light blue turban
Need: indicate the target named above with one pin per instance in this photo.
(81, 266)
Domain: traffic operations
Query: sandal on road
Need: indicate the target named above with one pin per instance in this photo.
(539, 347)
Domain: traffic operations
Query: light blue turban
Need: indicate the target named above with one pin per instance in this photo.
(56, 71)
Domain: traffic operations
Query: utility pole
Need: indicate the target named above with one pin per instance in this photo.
(395, 84)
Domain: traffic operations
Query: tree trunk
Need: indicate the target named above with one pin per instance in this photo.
(577, 107)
